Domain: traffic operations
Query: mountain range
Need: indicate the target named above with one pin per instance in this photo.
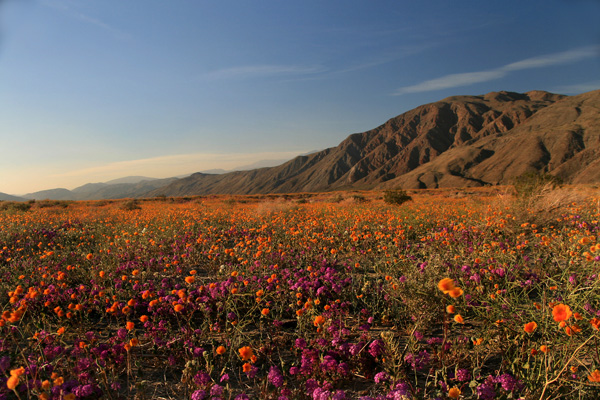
(460, 141)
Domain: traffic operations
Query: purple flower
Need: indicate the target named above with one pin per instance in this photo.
(320, 394)
(381, 377)
(463, 375)
(275, 377)
(508, 382)
(252, 373)
(202, 379)
(4, 363)
(122, 333)
(339, 395)
(486, 391)
(199, 395)
(375, 348)
(216, 390)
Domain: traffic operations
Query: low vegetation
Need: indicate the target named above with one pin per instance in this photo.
(275, 298)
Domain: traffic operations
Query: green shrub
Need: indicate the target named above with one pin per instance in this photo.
(396, 196)
(533, 183)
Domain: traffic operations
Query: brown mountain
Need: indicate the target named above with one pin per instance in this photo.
(456, 142)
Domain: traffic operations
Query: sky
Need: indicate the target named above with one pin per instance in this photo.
(94, 90)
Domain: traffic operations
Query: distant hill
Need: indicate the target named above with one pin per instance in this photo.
(456, 142)
(8, 197)
(459, 141)
(130, 179)
(51, 194)
(100, 191)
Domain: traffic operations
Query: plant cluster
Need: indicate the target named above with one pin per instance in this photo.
(396, 196)
(449, 298)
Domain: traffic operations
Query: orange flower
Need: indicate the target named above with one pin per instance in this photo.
(530, 327)
(454, 393)
(459, 319)
(571, 330)
(319, 320)
(544, 348)
(446, 285)
(594, 376)
(246, 353)
(265, 311)
(60, 330)
(89, 256)
(221, 350)
(455, 292)
(561, 312)
(12, 382)
(179, 308)
(129, 325)
(190, 279)
(595, 323)
(450, 309)
(246, 367)
(134, 342)
(144, 318)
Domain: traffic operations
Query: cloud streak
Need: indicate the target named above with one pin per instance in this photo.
(259, 71)
(67, 8)
(470, 78)
(578, 87)
(173, 165)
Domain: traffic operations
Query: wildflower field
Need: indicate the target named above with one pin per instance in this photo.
(315, 296)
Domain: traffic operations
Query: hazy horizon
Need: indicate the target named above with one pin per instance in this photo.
(98, 90)
(230, 162)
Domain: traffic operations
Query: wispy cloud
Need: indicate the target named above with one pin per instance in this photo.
(172, 165)
(70, 8)
(469, 78)
(578, 87)
(258, 71)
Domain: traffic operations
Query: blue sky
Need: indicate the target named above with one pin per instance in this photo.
(93, 90)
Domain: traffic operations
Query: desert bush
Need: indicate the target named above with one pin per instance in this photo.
(396, 196)
(15, 206)
(533, 183)
(131, 205)
(359, 198)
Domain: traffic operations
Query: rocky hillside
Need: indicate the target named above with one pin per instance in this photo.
(456, 142)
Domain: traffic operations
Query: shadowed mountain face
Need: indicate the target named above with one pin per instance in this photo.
(457, 142)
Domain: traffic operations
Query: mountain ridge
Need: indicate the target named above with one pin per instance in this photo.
(456, 142)
(459, 141)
